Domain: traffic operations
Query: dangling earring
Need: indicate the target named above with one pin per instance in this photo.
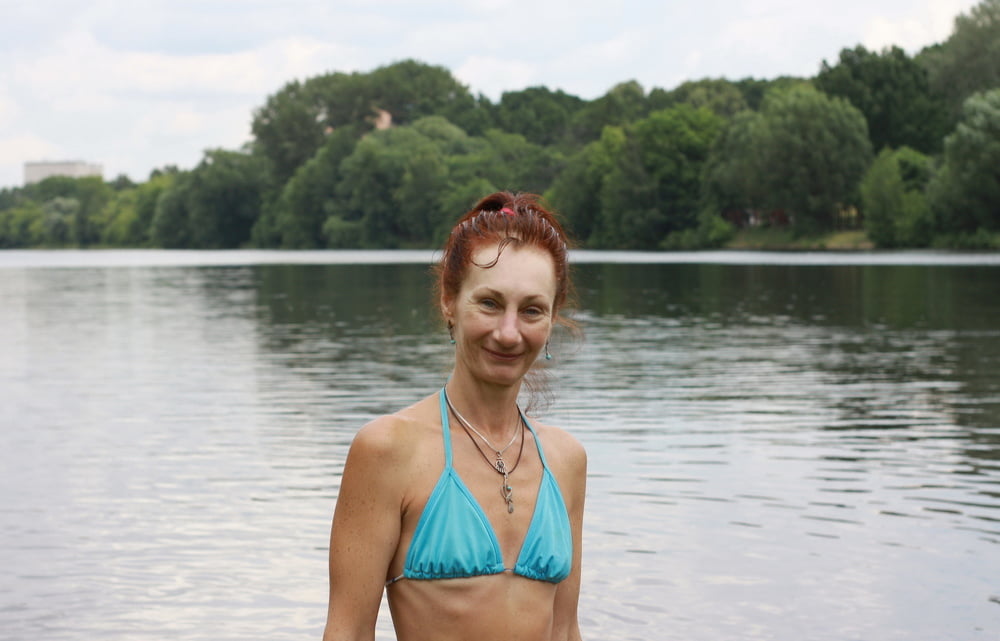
(548, 356)
(451, 332)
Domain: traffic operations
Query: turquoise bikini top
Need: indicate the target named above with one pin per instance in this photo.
(454, 538)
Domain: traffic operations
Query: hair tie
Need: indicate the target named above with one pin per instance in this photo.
(508, 211)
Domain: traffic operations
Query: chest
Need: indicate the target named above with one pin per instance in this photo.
(507, 503)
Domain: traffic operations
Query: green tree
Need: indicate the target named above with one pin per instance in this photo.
(171, 224)
(92, 194)
(119, 225)
(676, 145)
(735, 165)
(576, 190)
(892, 91)
(624, 103)
(463, 193)
(393, 182)
(291, 126)
(754, 90)
(965, 193)
(816, 151)
(653, 188)
(805, 153)
(915, 224)
(121, 183)
(424, 178)
(146, 197)
(893, 201)
(969, 61)
(55, 228)
(306, 199)
(364, 196)
(507, 160)
(10, 197)
(540, 115)
(628, 217)
(223, 198)
(294, 122)
(718, 95)
(403, 186)
(410, 90)
(19, 225)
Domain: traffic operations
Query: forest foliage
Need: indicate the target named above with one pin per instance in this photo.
(904, 147)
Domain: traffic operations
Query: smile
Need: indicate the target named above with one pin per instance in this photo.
(502, 356)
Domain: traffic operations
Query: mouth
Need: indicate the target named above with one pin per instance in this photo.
(502, 356)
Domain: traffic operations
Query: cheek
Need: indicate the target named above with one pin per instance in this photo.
(542, 331)
(472, 323)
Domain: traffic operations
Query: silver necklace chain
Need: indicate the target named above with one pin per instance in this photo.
(506, 490)
(499, 452)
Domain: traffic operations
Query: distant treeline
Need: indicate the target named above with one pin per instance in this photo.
(905, 148)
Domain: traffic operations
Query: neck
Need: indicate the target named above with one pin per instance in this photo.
(491, 409)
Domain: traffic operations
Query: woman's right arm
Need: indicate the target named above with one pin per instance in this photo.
(365, 531)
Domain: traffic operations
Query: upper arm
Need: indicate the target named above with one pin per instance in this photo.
(574, 479)
(365, 533)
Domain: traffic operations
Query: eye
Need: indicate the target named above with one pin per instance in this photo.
(534, 311)
(489, 303)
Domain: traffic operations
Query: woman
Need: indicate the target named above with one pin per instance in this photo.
(468, 514)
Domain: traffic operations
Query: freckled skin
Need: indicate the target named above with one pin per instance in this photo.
(502, 317)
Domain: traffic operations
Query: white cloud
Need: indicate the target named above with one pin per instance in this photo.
(589, 68)
(16, 149)
(927, 23)
(78, 65)
(134, 111)
(9, 111)
(492, 75)
(153, 82)
(164, 125)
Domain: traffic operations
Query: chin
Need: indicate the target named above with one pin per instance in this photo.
(505, 375)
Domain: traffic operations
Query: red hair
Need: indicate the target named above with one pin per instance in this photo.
(508, 219)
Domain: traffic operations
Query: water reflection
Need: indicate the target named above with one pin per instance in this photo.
(776, 451)
(807, 418)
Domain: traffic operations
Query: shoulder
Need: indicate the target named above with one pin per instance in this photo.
(392, 439)
(385, 457)
(562, 449)
(382, 437)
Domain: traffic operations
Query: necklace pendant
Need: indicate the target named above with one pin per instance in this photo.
(500, 465)
(507, 492)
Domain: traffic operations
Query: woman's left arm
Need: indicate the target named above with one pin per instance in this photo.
(565, 625)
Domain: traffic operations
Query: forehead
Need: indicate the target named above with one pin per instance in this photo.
(519, 271)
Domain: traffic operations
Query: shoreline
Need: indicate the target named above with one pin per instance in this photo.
(784, 240)
(174, 258)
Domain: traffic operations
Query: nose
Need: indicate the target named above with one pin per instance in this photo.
(508, 330)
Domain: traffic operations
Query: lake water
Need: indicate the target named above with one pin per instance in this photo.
(782, 446)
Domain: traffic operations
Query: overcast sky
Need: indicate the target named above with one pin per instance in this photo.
(138, 85)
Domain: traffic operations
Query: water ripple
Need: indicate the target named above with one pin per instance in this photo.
(173, 440)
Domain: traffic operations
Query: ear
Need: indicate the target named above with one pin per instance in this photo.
(447, 308)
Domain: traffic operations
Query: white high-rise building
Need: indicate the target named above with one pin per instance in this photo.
(36, 171)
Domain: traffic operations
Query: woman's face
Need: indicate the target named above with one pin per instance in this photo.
(502, 315)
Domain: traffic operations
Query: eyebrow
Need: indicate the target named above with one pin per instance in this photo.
(489, 291)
